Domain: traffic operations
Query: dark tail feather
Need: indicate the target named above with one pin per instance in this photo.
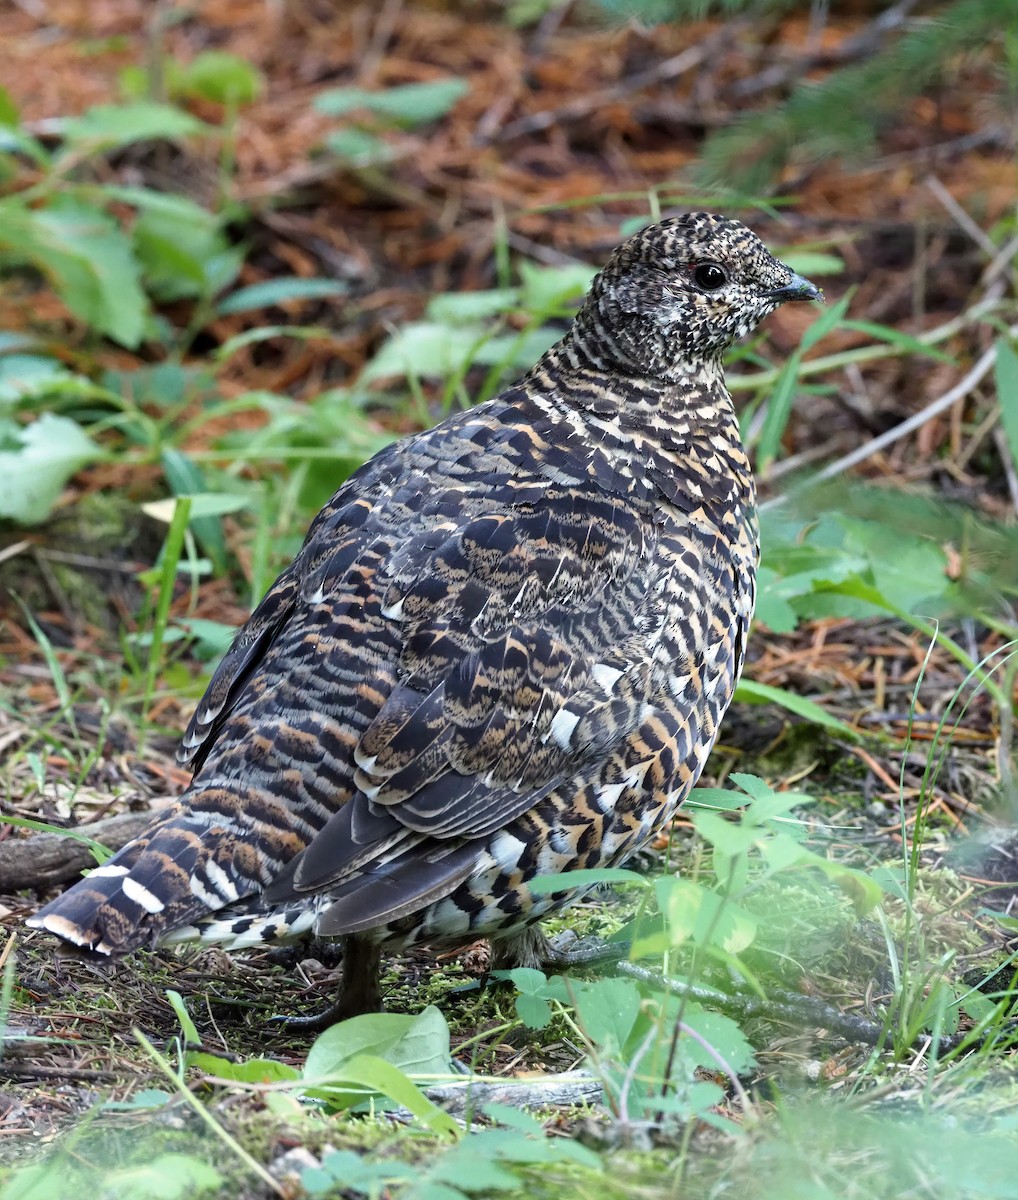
(181, 870)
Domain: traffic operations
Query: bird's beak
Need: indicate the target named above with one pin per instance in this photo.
(796, 289)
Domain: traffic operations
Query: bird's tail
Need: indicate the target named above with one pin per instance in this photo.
(190, 864)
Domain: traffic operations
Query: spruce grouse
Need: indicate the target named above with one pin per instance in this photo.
(503, 651)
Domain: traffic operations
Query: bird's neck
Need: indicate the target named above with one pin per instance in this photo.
(689, 401)
(661, 435)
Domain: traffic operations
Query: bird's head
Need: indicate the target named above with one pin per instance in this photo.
(677, 294)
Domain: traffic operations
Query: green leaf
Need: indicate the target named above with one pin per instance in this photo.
(827, 321)
(715, 799)
(9, 114)
(779, 408)
(418, 1044)
(213, 638)
(221, 78)
(186, 478)
(187, 1026)
(166, 1177)
(277, 291)
(1006, 373)
(88, 259)
(895, 337)
(354, 1079)
(546, 885)
(452, 308)
(534, 1012)
(751, 692)
(408, 104)
(359, 148)
(111, 125)
(252, 1070)
(146, 1098)
(179, 250)
(547, 290)
(772, 609)
(264, 333)
(607, 1010)
(425, 349)
(203, 504)
(29, 376)
(694, 912)
(811, 262)
(32, 476)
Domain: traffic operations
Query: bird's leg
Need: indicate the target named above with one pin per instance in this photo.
(359, 990)
(532, 948)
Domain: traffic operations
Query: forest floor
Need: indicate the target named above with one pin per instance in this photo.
(528, 165)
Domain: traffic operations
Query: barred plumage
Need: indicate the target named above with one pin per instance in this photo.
(504, 649)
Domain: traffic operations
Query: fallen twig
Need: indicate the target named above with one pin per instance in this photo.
(788, 1006)
(46, 859)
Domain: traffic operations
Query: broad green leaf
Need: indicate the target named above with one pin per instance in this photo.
(1006, 374)
(722, 1034)
(717, 799)
(695, 912)
(33, 476)
(110, 125)
(146, 1098)
(607, 1010)
(264, 333)
(212, 637)
(276, 291)
(355, 1079)
(546, 290)
(418, 1044)
(533, 1011)
(29, 376)
(425, 349)
(220, 77)
(772, 609)
(166, 203)
(186, 478)
(359, 148)
(762, 791)
(88, 259)
(167, 1177)
(179, 251)
(751, 692)
(455, 307)
(519, 350)
(529, 980)
(408, 104)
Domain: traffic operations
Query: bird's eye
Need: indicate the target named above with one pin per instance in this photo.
(710, 277)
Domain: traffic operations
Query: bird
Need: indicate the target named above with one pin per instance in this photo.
(503, 651)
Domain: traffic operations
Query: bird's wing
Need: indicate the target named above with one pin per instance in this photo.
(336, 532)
(521, 657)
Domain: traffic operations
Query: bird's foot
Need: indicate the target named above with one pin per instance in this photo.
(531, 948)
(566, 950)
(359, 991)
(339, 1010)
